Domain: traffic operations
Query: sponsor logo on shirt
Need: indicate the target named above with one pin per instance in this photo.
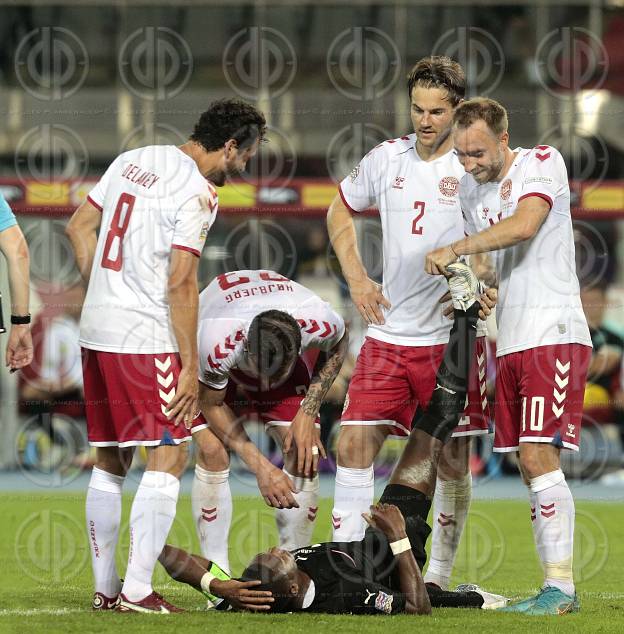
(505, 189)
(398, 182)
(538, 179)
(449, 186)
(383, 602)
(354, 173)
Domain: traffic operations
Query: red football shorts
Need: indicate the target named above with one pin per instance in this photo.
(390, 382)
(275, 407)
(539, 396)
(126, 396)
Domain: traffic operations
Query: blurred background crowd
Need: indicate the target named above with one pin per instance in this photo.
(82, 82)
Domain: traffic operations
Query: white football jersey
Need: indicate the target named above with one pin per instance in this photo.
(228, 305)
(538, 296)
(150, 203)
(418, 203)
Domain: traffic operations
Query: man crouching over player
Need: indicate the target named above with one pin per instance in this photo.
(260, 334)
(380, 573)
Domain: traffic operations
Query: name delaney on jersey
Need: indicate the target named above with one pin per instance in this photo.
(139, 176)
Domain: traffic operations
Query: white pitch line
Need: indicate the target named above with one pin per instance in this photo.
(38, 611)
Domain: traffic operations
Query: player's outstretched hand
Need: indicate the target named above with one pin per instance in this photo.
(19, 351)
(276, 487)
(388, 519)
(437, 260)
(183, 406)
(307, 440)
(369, 299)
(240, 596)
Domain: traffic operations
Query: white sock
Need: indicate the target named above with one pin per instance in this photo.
(151, 517)
(211, 500)
(103, 512)
(450, 509)
(553, 528)
(353, 495)
(295, 526)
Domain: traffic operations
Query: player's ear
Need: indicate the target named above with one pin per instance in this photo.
(230, 147)
(293, 589)
(504, 138)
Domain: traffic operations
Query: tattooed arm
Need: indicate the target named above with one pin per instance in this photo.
(303, 430)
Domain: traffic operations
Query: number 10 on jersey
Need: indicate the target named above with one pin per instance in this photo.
(419, 207)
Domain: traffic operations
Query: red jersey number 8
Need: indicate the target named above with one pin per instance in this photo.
(116, 232)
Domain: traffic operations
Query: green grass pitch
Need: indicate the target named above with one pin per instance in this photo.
(46, 577)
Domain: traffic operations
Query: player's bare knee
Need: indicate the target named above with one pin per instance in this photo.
(114, 460)
(211, 453)
(537, 459)
(455, 459)
(168, 459)
(356, 447)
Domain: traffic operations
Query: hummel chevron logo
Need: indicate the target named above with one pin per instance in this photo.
(312, 511)
(218, 354)
(547, 510)
(163, 366)
(480, 359)
(314, 327)
(165, 381)
(563, 368)
(336, 520)
(167, 396)
(209, 515)
(561, 381)
(446, 520)
(559, 396)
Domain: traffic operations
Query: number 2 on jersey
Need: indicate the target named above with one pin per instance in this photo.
(419, 206)
(116, 232)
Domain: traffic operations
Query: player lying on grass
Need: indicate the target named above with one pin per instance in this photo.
(380, 573)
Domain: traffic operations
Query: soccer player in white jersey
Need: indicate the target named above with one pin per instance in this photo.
(259, 338)
(517, 203)
(414, 183)
(153, 208)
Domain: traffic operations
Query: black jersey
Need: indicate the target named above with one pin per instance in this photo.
(359, 577)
